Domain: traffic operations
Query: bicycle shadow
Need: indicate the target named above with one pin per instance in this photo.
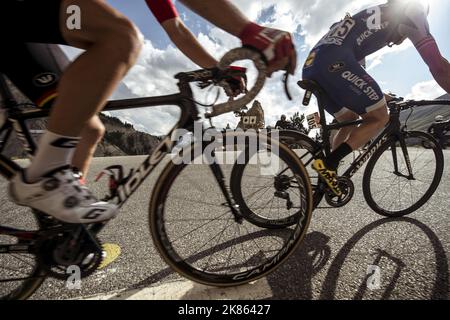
(440, 287)
(265, 288)
(293, 279)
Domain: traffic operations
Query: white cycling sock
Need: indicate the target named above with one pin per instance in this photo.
(54, 151)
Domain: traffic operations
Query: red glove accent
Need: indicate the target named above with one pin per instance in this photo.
(274, 44)
(237, 83)
(236, 68)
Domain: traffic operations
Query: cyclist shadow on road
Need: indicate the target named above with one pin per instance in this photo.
(439, 289)
(200, 291)
(293, 280)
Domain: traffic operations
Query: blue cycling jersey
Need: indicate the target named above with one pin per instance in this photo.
(334, 63)
(374, 28)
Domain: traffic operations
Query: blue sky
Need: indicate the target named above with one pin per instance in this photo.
(401, 70)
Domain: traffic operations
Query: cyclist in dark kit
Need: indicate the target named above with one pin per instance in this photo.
(112, 44)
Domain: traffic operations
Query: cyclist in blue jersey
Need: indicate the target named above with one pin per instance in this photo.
(335, 63)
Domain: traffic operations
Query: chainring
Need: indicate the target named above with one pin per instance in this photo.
(348, 190)
(56, 256)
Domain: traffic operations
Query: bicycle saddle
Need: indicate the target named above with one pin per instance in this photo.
(309, 85)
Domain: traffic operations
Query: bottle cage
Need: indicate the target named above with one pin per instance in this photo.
(116, 178)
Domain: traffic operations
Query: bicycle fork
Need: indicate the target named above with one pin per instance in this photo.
(406, 157)
(220, 178)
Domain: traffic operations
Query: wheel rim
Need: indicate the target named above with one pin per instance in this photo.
(396, 192)
(214, 249)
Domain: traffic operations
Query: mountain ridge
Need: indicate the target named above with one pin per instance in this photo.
(121, 139)
(422, 118)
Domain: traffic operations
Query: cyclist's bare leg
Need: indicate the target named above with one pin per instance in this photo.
(91, 135)
(343, 134)
(112, 45)
(373, 123)
(351, 139)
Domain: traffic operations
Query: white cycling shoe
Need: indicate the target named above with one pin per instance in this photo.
(62, 196)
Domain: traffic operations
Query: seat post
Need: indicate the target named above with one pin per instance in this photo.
(311, 87)
(324, 126)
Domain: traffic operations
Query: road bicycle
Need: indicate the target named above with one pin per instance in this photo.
(400, 177)
(196, 225)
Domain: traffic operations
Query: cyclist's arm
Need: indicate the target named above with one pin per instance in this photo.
(276, 45)
(418, 31)
(167, 16)
(183, 38)
(439, 66)
(223, 14)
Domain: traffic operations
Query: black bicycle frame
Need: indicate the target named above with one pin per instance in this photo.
(16, 121)
(392, 129)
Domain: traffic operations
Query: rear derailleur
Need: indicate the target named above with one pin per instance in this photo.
(281, 184)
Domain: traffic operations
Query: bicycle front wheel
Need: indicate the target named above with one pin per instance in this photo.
(20, 272)
(403, 175)
(201, 233)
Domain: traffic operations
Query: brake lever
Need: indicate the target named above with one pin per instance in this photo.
(286, 87)
(233, 56)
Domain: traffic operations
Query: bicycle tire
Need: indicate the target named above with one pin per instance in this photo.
(438, 172)
(293, 140)
(36, 278)
(427, 145)
(314, 150)
(28, 288)
(161, 238)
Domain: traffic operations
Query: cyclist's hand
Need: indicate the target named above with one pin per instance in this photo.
(237, 81)
(276, 46)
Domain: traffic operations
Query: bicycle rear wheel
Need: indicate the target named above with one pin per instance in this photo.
(307, 150)
(196, 232)
(253, 193)
(390, 189)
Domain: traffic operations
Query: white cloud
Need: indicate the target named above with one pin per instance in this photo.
(426, 90)
(153, 73)
(376, 59)
(314, 17)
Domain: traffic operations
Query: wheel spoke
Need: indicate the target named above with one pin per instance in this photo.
(389, 190)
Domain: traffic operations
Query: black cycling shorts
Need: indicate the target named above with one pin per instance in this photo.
(35, 69)
(30, 21)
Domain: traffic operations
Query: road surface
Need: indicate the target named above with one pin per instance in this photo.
(348, 253)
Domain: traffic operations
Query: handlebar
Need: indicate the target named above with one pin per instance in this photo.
(216, 76)
(404, 105)
(231, 57)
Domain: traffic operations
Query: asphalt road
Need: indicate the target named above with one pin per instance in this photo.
(334, 261)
